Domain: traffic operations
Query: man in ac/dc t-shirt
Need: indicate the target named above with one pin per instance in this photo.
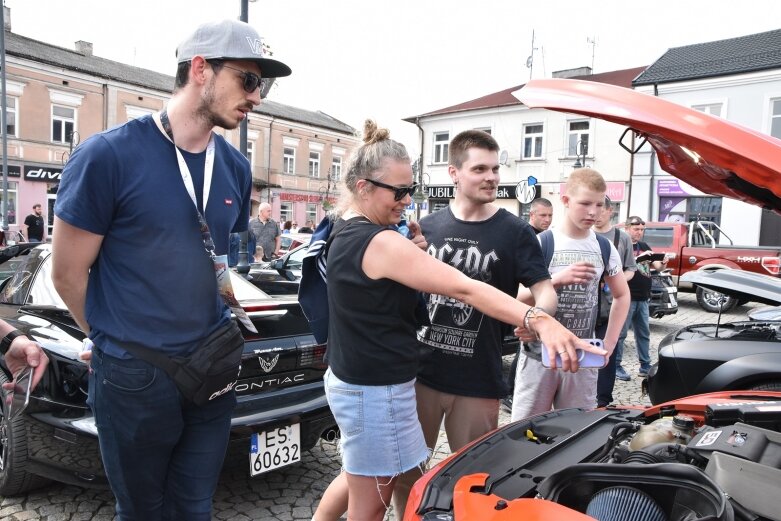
(460, 379)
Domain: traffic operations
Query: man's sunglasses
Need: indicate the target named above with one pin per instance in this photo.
(399, 192)
(251, 81)
(636, 223)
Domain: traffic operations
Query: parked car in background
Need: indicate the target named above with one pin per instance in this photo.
(280, 385)
(702, 245)
(279, 276)
(291, 241)
(664, 294)
(703, 358)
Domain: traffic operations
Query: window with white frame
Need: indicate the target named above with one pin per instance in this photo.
(314, 164)
(775, 118)
(63, 123)
(285, 211)
(578, 132)
(714, 109)
(532, 141)
(336, 168)
(441, 140)
(12, 209)
(289, 160)
(487, 130)
(311, 212)
(251, 154)
(11, 116)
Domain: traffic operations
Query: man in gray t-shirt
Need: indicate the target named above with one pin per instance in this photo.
(623, 243)
(266, 232)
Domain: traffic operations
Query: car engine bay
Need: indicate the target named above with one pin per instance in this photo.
(717, 462)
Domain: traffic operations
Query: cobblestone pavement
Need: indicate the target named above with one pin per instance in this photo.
(292, 493)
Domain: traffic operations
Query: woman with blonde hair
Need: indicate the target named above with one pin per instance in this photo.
(373, 273)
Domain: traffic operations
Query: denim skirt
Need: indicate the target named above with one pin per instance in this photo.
(380, 431)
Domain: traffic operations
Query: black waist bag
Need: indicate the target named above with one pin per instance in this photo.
(211, 371)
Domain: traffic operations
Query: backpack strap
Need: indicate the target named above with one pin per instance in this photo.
(616, 236)
(546, 244)
(604, 247)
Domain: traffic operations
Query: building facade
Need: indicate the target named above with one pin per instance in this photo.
(538, 147)
(738, 79)
(56, 98)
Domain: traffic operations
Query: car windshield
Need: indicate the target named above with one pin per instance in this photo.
(30, 280)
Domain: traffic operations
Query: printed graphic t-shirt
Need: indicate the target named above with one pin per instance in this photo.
(466, 345)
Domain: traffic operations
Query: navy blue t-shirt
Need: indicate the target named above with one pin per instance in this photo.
(153, 282)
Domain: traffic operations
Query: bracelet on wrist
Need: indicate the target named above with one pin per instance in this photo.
(533, 313)
(5, 343)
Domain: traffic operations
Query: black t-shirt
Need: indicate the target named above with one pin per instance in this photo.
(371, 324)
(502, 251)
(640, 284)
(34, 225)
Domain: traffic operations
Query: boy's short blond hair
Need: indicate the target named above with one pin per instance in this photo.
(585, 178)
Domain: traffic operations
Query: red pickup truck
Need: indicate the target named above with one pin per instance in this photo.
(702, 245)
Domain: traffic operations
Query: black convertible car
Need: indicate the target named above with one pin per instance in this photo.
(703, 358)
(280, 386)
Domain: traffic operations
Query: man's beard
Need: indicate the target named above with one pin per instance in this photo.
(205, 112)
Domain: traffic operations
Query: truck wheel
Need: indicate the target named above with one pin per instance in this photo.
(710, 300)
(14, 478)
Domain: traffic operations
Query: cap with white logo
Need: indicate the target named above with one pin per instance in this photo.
(230, 40)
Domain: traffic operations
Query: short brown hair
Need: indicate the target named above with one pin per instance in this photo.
(586, 178)
(460, 145)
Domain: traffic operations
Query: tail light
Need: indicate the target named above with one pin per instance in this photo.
(772, 265)
(313, 356)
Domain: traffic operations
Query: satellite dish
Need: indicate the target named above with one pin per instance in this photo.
(503, 158)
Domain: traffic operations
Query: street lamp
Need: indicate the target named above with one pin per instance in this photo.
(581, 149)
(243, 264)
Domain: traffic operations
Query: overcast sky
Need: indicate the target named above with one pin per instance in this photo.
(389, 60)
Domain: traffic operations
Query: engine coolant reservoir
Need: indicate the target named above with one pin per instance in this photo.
(678, 429)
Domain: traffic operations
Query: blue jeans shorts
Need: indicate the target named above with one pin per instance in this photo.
(381, 433)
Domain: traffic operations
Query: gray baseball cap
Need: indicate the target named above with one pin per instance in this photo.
(230, 40)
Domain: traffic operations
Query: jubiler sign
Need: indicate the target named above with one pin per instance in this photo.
(448, 192)
(42, 173)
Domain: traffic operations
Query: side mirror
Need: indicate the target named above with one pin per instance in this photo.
(277, 264)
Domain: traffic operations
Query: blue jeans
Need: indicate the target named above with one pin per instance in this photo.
(162, 454)
(638, 319)
(606, 378)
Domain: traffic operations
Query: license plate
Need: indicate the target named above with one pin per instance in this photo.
(673, 301)
(274, 448)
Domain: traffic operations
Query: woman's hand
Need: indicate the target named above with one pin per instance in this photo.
(558, 340)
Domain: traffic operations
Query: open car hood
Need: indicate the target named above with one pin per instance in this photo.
(743, 285)
(712, 154)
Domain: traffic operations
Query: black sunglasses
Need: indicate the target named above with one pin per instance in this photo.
(399, 192)
(636, 223)
(251, 81)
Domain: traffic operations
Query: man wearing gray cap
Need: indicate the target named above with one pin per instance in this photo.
(134, 292)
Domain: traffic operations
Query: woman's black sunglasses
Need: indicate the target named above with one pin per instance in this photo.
(399, 192)
(251, 81)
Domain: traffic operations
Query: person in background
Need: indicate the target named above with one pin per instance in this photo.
(372, 347)
(34, 227)
(640, 291)
(294, 228)
(287, 227)
(576, 266)
(606, 378)
(540, 214)
(162, 453)
(266, 232)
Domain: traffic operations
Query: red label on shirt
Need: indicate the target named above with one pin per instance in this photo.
(228, 202)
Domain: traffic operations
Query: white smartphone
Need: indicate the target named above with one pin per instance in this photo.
(586, 359)
(20, 396)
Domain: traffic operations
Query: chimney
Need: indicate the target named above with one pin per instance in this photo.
(569, 73)
(7, 18)
(84, 48)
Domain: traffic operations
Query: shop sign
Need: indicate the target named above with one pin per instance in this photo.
(448, 191)
(305, 198)
(42, 173)
(675, 188)
(13, 171)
